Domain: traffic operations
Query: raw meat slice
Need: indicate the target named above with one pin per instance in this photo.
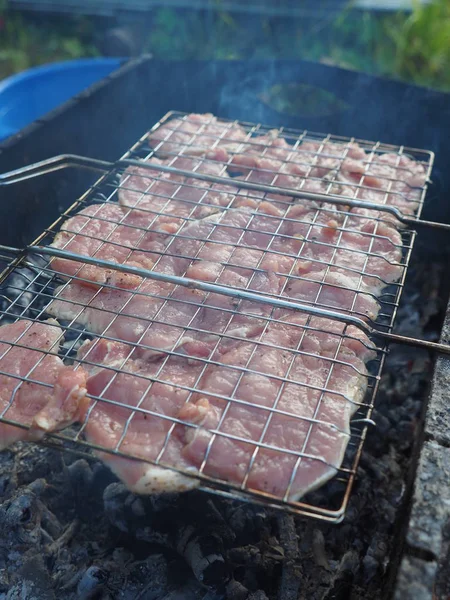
(312, 158)
(146, 433)
(268, 378)
(160, 200)
(195, 134)
(334, 289)
(233, 250)
(309, 166)
(222, 239)
(270, 171)
(386, 179)
(323, 356)
(324, 158)
(312, 165)
(55, 396)
(343, 249)
(104, 231)
(258, 243)
(130, 316)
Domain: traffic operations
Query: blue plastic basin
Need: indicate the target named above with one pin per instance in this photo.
(28, 96)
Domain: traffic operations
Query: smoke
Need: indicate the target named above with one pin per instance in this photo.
(241, 90)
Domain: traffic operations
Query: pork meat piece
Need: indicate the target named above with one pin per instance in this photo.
(195, 134)
(315, 377)
(246, 243)
(155, 315)
(354, 257)
(231, 241)
(271, 171)
(387, 179)
(106, 232)
(146, 434)
(398, 176)
(328, 167)
(323, 158)
(236, 249)
(294, 360)
(308, 166)
(36, 389)
(160, 202)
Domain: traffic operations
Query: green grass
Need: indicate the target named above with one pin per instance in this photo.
(25, 43)
(413, 47)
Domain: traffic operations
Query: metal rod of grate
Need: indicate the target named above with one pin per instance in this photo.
(239, 278)
(73, 161)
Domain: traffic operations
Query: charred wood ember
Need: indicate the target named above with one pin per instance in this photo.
(290, 574)
(152, 520)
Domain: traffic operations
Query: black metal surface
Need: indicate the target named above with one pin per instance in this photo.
(103, 121)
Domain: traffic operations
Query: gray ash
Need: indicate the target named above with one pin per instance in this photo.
(69, 529)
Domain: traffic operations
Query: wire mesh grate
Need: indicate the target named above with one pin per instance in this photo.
(244, 397)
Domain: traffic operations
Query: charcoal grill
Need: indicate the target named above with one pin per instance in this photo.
(377, 514)
(30, 302)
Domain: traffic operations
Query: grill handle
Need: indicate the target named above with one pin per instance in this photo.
(65, 161)
(245, 295)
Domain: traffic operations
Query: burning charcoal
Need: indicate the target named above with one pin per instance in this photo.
(81, 480)
(50, 524)
(236, 591)
(32, 582)
(250, 555)
(114, 501)
(20, 518)
(147, 579)
(344, 577)
(5, 482)
(290, 575)
(189, 592)
(246, 521)
(13, 297)
(92, 582)
(318, 548)
(126, 511)
(204, 554)
(260, 595)
(153, 521)
(74, 336)
(371, 566)
(383, 423)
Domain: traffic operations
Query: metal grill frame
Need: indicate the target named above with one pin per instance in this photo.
(362, 417)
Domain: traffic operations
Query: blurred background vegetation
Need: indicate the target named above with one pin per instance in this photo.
(410, 46)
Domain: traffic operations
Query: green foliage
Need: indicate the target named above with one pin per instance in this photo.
(25, 43)
(414, 47)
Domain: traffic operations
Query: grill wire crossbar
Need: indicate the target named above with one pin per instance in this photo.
(314, 239)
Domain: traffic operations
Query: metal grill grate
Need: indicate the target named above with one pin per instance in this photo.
(206, 296)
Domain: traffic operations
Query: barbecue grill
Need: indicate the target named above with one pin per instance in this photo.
(42, 284)
(29, 300)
